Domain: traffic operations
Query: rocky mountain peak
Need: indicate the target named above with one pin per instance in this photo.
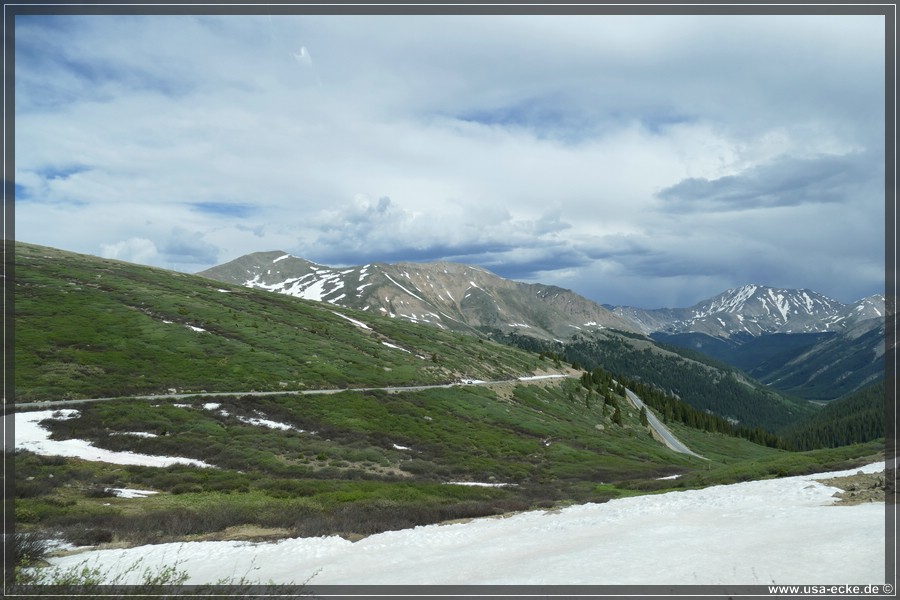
(444, 294)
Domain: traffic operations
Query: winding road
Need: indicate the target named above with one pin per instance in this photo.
(668, 439)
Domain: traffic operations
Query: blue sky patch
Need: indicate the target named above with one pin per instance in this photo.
(225, 209)
(62, 172)
(21, 192)
(545, 117)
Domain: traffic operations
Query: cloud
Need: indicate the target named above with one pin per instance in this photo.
(785, 181)
(305, 60)
(186, 247)
(303, 56)
(181, 249)
(368, 230)
(135, 250)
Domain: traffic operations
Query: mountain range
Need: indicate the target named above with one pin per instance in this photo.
(756, 310)
(795, 340)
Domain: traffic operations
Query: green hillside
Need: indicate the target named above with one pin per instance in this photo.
(855, 418)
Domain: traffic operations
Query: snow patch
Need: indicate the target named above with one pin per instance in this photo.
(267, 423)
(403, 288)
(260, 422)
(34, 438)
(478, 484)
(131, 493)
(395, 347)
(142, 434)
(359, 324)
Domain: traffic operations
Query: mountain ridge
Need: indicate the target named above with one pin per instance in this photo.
(448, 295)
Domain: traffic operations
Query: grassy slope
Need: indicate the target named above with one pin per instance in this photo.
(90, 327)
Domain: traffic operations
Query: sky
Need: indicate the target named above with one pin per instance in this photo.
(644, 160)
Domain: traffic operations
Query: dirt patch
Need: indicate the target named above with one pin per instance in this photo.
(464, 520)
(243, 533)
(858, 489)
(505, 390)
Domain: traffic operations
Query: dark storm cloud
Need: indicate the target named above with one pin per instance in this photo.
(786, 181)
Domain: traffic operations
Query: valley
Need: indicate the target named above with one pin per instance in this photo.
(297, 417)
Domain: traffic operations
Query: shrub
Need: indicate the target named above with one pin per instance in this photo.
(29, 548)
(26, 515)
(99, 492)
(187, 488)
(89, 536)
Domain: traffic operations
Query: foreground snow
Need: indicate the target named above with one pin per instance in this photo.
(760, 532)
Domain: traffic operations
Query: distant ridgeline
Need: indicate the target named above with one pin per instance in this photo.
(858, 417)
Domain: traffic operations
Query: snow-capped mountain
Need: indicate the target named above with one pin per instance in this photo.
(447, 295)
(757, 310)
(797, 341)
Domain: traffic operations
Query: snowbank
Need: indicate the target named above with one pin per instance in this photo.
(760, 532)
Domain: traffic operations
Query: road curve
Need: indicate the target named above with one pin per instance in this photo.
(668, 439)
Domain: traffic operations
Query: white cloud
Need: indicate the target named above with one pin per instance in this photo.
(136, 250)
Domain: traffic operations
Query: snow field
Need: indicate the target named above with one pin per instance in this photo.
(784, 531)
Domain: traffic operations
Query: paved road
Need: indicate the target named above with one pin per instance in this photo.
(670, 440)
(411, 388)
